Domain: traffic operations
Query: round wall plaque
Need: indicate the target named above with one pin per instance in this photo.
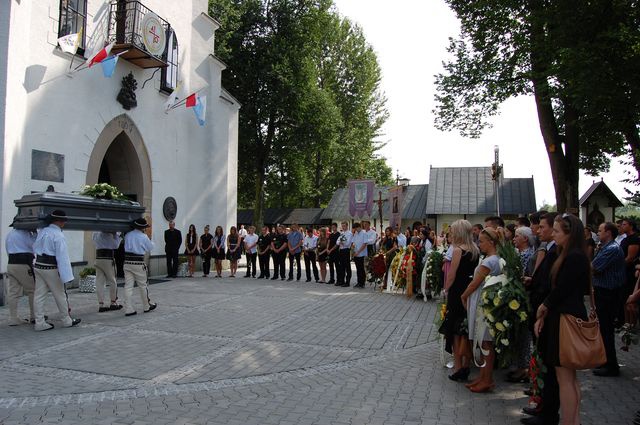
(153, 35)
(170, 208)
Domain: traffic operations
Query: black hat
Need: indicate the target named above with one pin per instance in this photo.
(57, 215)
(140, 223)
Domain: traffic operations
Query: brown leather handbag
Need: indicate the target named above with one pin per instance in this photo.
(581, 345)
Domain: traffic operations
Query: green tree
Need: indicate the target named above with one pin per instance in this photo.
(542, 48)
(312, 108)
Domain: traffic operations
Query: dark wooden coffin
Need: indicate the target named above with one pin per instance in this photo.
(83, 212)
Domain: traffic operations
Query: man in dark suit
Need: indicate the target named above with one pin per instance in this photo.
(172, 242)
(539, 286)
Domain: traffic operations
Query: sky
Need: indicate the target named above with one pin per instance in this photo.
(410, 38)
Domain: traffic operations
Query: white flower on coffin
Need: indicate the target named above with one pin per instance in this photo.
(504, 342)
(506, 323)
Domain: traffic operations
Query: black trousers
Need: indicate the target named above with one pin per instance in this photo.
(550, 397)
(264, 265)
(607, 301)
(251, 264)
(295, 257)
(333, 265)
(172, 263)
(360, 272)
(278, 264)
(344, 266)
(206, 262)
(310, 261)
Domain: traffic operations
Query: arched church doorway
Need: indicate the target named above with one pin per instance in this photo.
(120, 158)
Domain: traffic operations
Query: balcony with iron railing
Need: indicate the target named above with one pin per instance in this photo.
(138, 32)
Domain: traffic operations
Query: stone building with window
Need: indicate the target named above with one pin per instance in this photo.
(70, 129)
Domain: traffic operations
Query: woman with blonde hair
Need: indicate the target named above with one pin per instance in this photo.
(464, 260)
(489, 241)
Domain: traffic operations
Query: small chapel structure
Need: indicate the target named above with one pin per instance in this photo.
(598, 204)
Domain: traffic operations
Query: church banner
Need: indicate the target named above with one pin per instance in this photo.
(395, 201)
(360, 197)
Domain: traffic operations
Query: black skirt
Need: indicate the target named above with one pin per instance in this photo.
(217, 255)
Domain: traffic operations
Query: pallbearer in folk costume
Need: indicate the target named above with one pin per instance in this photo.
(136, 244)
(20, 279)
(52, 271)
(106, 243)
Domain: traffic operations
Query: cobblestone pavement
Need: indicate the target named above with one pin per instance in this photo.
(245, 351)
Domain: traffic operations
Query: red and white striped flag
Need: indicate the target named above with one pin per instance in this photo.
(100, 56)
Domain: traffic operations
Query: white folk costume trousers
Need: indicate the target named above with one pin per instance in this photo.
(48, 279)
(20, 281)
(106, 275)
(135, 272)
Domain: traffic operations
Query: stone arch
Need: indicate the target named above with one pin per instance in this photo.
(125, 133)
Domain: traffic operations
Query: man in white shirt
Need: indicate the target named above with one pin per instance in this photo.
(402, 239)
(52, 271)
(309, 245)
(251, 251)
(106, 243)
(19, 247)
(136, 245)
(359, 242)
(344, 256)
(372, 239)
(242, 233)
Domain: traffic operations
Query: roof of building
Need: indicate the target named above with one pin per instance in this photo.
(413, 205)
(470, 190)
(600, 188)
(302, 216)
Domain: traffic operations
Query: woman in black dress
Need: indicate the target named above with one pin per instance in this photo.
(323, 249)
(205, 251)
(218, 249)
(570, 281)
(233, 251)
(390, 248)
(463, 263)
(191, 250)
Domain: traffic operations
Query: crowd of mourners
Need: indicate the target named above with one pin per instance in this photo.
(561, 262)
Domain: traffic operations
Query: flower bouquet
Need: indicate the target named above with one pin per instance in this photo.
(505, 306)
(103, 191)
(537, 370)
(434, 271)
(629, 336)
(396, 277)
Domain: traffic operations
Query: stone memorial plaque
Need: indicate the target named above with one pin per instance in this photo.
(170, 208)
(47, 166)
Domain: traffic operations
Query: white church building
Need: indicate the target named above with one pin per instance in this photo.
(70, 129)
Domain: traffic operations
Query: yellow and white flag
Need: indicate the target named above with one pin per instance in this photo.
(174, 98)
(69, 43)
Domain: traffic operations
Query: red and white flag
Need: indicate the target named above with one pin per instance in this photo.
(100, 56)
(191, 101)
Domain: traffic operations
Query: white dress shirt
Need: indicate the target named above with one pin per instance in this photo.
(250, 240)
(402, 240)
(51, 241)
(345, 239)
(359, 241)
(106, 240)
(310, 243)
(136, 242)
(20, 242)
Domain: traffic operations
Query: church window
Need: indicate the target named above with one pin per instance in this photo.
(73, 19)
(169, 74)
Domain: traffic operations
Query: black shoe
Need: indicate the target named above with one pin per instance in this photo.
(75, 322)
(537, 420)
(345, 285)
(606, 372)
(289, 280)
(528, 392)
(130, 314)
(331, 282)
(274, 278)
(247, 275)
(419, 296)
(338, 284)
(151, 308)
(103, 309)
(461, 375)
(308, 280)
(532, 411)
(115, 307)
(168, 276)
